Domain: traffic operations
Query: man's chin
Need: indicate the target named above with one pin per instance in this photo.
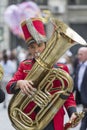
(36, 57)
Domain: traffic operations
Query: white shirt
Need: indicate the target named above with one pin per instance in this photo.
(81, 74)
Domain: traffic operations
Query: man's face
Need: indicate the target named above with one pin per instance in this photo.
(36, 49)
(82, 55)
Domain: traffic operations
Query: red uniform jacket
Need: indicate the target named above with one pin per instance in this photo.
(70, 105)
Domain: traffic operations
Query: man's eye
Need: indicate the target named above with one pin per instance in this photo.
(31, 47)
(40, 45)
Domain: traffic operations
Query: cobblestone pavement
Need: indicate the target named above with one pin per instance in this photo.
(5, 123)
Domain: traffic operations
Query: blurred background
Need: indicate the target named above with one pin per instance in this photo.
(72, 12)
(12, 44)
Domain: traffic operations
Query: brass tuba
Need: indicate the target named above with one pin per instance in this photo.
(47, 100)
(1, 72)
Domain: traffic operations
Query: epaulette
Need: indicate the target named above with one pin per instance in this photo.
(61, 66)
(58, 66)
(27, 61)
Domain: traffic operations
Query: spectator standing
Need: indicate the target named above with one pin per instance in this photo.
(80, 82)
(8, 73)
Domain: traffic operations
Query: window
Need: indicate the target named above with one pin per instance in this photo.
(1, 34)
(41, 2)
(77, 2)
(16, 1)
(81, 29)
(71, 2)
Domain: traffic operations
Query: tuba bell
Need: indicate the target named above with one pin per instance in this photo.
(47, 100)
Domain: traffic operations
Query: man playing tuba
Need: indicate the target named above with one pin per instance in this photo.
(35, 37)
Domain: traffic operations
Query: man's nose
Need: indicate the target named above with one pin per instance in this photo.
(36, 50)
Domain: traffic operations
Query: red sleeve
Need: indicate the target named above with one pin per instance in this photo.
(17, 76)
(70, 102)
(63, 66)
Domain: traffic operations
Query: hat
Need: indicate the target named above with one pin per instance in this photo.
(33, 30)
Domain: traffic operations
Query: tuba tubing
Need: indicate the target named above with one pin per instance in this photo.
(42, 75)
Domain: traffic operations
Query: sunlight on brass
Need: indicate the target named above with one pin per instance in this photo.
(75, 122)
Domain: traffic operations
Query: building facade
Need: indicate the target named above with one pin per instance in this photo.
(72, 12)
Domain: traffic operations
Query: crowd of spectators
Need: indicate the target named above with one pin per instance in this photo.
(9, 60)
